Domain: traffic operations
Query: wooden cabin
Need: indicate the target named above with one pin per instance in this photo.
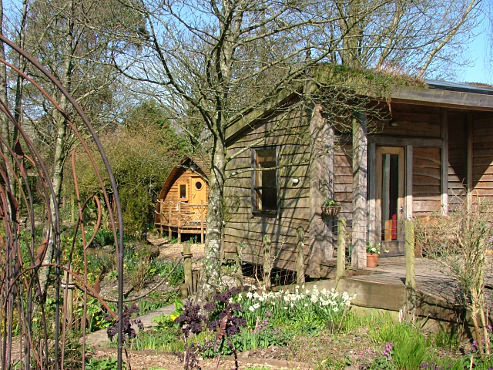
(430, 149)
(182, 204)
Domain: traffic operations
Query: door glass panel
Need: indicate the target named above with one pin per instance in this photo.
(390, 196)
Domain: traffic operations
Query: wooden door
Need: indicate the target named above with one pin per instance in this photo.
(198, 197)
(390, 211)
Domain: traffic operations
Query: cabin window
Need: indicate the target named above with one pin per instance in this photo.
(183, 191)
(264, 180)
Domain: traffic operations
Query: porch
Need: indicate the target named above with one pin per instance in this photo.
(383, 287)
(181, 218)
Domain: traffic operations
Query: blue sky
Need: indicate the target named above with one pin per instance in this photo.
(480, 53)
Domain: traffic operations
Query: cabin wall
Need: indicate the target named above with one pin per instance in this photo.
(457, 149)
(482, 169)
(185, 177)
(290, 132)
(426, 181)
(343, 179)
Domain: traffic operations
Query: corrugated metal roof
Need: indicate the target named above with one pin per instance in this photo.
(460, 86)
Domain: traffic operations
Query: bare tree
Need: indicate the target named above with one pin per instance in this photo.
(73, 39)
(225, 59)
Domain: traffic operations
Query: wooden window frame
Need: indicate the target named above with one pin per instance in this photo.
(187, 189)
(254, 194)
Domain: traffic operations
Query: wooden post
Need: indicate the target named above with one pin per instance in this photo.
(69, 296)
(444, 161)
(469, 161)
(170, 231)
(373, 233)
(267, 261)
(360, 196)
(409, 230)
(410, 274)
(300, 257)
(409, 182)
(341, 248)
(202, 214)
(237, 259)
(187, 267)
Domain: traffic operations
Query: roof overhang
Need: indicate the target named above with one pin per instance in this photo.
(433, 93)
(442, 98)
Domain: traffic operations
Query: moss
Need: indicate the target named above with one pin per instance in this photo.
(368, 82)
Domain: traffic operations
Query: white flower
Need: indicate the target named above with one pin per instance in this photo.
(251, 308)
(249, 295)
(256, 305)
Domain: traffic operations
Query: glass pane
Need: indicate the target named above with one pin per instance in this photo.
(266, 181)
(390, 196)
(183, 191)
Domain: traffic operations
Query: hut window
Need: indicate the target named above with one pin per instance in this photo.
(183, 191)
(264, 180)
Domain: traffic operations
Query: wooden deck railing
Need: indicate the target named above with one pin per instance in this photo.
(182, 217)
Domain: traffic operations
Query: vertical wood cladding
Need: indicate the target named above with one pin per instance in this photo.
(482, 170)
(457, 147)
(289, 132)
(426, 181)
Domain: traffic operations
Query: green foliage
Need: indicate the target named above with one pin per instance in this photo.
(96, 315)
(247, 339)
(141, 267)
(103, 364)
(141, 152)
(162, 339)
(155, 301)
(446, 339)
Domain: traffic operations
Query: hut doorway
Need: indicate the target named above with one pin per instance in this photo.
(390, 175)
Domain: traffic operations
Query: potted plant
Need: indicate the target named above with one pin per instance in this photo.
(330, 208)
(372, 253)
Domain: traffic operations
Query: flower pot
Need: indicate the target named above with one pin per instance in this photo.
(330, 211)
(372, 260)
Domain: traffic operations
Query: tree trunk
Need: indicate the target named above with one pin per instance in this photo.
(211, 270)
(60, 153)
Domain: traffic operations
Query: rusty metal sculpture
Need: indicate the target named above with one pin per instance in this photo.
(22, 252)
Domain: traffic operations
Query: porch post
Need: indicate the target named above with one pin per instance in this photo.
(444, 160)
(469, 160)
(360, 196)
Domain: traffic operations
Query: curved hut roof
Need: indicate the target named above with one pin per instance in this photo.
(188, 162)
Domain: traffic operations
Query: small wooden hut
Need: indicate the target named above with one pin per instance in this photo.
(182, 204)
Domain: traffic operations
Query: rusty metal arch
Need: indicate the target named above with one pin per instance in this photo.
(19, 279)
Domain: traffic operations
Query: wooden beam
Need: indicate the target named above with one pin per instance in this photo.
(469, 161)
(444, 160)
(423, 142)
(360, 196)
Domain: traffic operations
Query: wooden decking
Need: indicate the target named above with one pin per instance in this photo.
(384, 287)
(182, 218)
